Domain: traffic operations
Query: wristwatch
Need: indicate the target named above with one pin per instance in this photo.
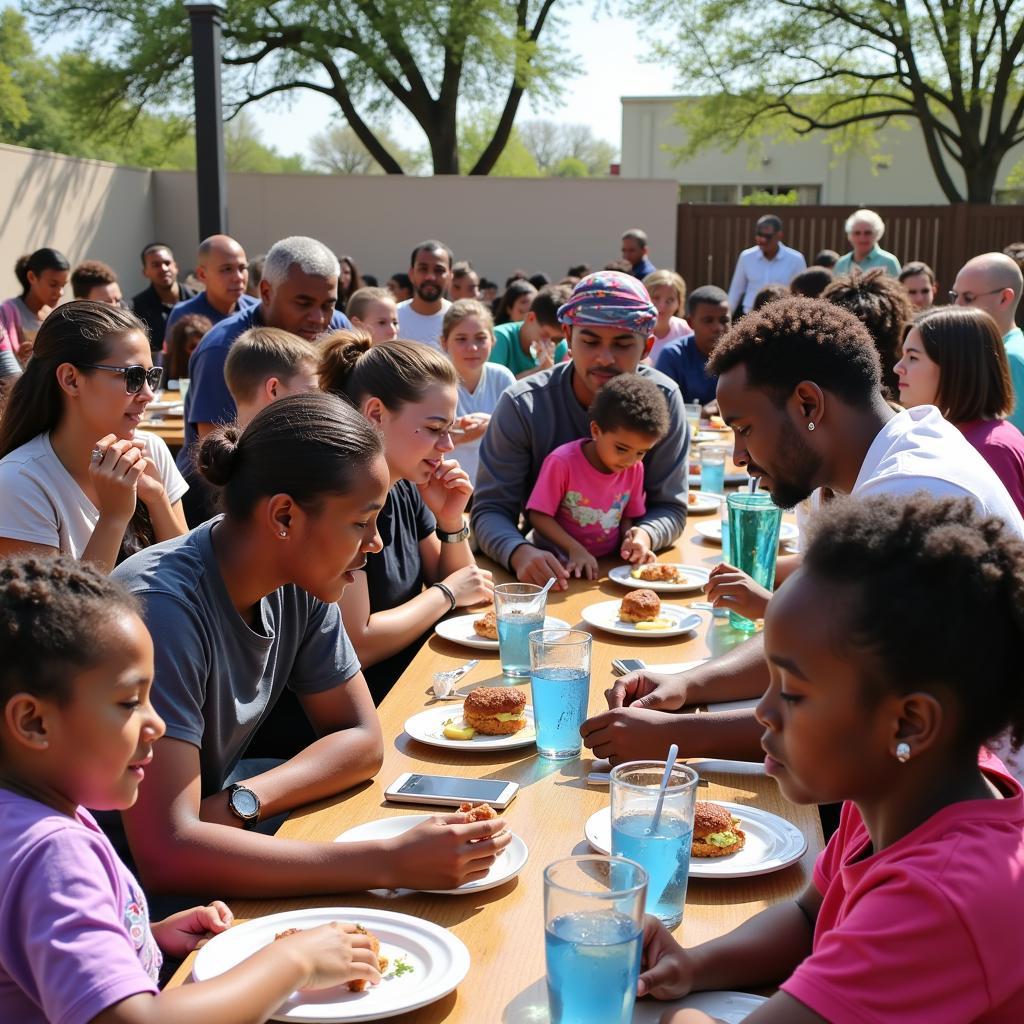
(452, 538)
(244, 804)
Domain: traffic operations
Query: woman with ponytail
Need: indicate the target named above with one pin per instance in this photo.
(76, 474)
(409, 392)
(43, 276)
(241, 608)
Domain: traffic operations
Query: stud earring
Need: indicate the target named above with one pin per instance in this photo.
(283, 533)
(810, 426)
(903, 752)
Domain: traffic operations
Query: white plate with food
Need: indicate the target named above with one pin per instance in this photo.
(425, 963)
(674, 577)
(707, 436)
(429, 727)
(771, 843)
(460, 631)
(730, 1007)
(669, 620)
(713, 531)
(506, 865)
(698, 503)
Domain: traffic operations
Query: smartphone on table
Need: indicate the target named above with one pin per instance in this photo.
(450, 791)
(623, 666)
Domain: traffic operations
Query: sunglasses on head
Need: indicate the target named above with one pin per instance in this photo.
(134, 376)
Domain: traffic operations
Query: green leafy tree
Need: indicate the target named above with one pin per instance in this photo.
(784, 68)
(570, 167)
(339, 151)
(764, 198)
(552, 144)
(369, 57)
(515, 160)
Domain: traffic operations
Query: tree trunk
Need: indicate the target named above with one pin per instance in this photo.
(981, 177)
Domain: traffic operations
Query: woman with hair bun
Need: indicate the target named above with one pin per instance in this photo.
(76, 474)
(43, 276)
(409, 392)
(241, 608)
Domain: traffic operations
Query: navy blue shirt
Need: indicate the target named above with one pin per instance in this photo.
(200, 305)
(208, 399)
(686, 365)
(643, 268)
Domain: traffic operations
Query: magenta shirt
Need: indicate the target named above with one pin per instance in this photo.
(1001, 445)
(588, 504)
(74, 927)
(929, 929)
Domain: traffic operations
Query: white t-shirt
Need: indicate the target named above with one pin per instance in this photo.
(40, 502)
(415, 326)
(493, 382)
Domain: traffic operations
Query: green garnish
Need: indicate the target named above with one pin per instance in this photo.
(402, 966)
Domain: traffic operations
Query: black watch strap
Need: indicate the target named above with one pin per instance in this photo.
(244, 805)
(452, 538)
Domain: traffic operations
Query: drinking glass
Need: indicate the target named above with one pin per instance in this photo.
(560, 688)
(662, 851)
(693, 418)
(713, 458)
(519, 609)
(183, 387)
(754, 521)
(593, 936)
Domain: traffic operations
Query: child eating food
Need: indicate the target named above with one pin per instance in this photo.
(878, 697)
(589, 491)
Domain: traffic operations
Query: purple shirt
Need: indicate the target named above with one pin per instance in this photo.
(74, 927)
(1001, 445)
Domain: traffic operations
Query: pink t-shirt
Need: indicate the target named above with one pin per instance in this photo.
(1001, 445)
(929, 928)
(74, 927)
(677, 328)
(588, 504)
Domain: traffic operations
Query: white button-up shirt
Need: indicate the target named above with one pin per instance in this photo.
(753, 272)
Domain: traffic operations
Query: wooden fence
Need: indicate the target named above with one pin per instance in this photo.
(710, 237)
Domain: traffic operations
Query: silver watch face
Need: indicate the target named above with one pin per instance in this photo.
(244, 803)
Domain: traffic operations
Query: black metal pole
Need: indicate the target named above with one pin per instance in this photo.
(211, 173)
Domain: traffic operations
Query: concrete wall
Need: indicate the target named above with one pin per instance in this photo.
(845, 178)
(84, 208)
(499, 224)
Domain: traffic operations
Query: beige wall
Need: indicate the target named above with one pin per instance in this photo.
(500, 224)
(84, 208)
(844, 178)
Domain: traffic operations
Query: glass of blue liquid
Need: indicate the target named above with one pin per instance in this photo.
(659, 842)
(560, 688)
(754, 522)
(593, 935)
(713, 458)
(519, 609)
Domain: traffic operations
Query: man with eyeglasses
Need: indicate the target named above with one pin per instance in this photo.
(993, 282)
(766, 262)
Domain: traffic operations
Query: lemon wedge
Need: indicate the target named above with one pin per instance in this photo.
(458, 732)
(655, 624)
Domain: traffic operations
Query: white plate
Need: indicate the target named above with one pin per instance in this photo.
(439, 961)
(428, 727)
(699, 504)
(772, 843)
(460, 630)
(713, 531)
(731, 479)
(695, 579)
(731, 1007)
(707, 436)
(506, 865)
(605, 615)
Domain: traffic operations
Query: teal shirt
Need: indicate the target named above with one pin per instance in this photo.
(878, 257)
(509, 352)
(1014, 342)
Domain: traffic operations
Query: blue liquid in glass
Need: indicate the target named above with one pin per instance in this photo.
(754, 544)
(712, 477)
(559, 707)
(514, 642)
(664, 855)
(593, 964)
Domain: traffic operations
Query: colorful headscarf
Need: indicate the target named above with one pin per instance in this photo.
(610, 298)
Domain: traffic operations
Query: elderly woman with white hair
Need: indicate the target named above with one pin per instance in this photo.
(864, 229)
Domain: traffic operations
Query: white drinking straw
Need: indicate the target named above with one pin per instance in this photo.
(670, 762)
(547, 586)
(752, 484)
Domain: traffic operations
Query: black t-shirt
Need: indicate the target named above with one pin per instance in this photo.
(154, 313)
(394, 575)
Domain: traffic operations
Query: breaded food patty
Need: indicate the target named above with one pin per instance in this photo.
(658, 572)
(715, 832)
(495, 710)
(640, 606)
(358, 984)
(486, 626)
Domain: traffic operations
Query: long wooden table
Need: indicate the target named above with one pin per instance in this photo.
(503, 927)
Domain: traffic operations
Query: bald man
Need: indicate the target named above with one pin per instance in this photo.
(224, 270)
(993, 282)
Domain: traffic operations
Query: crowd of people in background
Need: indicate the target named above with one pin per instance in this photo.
(350, 451)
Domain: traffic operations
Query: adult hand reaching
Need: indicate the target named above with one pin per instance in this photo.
(648, 690)
(629, 734)
(534, 565)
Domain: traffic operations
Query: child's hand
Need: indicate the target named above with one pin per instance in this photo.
(180, 933)
(334, 954)
(666, 971)
(729, 587)
(581, 563)
(636, 546)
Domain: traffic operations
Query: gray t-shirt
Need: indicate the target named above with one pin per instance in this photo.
(217, 677)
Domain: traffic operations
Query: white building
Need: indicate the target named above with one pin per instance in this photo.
(810, 166)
